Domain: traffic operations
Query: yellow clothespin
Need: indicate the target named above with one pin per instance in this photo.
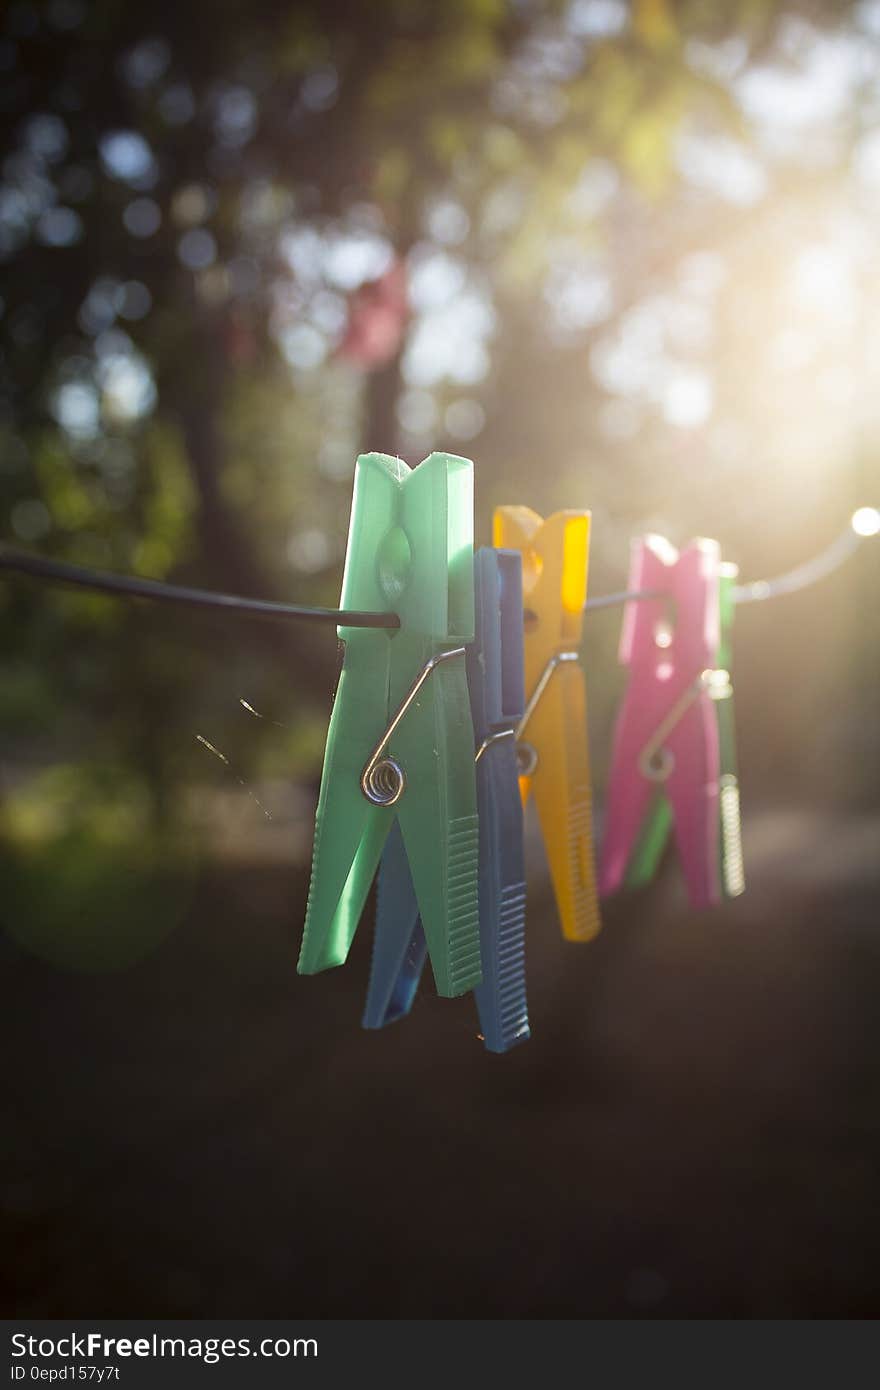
(552, 734)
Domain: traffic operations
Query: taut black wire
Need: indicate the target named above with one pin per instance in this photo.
(122, 585)
(127, 586)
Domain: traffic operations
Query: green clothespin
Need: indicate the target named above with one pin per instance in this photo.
(658, 822)
(401, 742)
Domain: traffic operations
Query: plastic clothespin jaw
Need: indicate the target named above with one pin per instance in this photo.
(552, 738)
(497, 700)
(399, 946)
(657, 824)
(400, 742)
(667, 763)
(495, 682)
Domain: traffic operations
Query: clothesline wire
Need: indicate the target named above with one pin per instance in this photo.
(130, 586)
(623, 596)
(802, 576)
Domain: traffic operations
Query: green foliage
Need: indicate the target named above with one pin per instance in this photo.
(90, 882)
(171, 402)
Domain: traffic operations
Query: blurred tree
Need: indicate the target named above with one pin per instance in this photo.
(208, 220)
(181, 201)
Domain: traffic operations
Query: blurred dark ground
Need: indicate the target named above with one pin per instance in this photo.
(693, 1130)
(638, 242)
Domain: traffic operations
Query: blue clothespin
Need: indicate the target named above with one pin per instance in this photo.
(495, 682)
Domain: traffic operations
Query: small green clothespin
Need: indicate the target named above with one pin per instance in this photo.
(401, 741)
(658, 822)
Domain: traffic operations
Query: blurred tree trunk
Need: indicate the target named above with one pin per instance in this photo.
(230, 558)
(230, 563)
(381, 432)
(381, 429)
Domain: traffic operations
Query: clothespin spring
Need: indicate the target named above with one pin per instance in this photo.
(383, 780)
(731, 831)
(655, 761)
(526, 754)
(493, 738)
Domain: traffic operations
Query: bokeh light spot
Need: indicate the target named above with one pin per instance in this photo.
(866, 521)
(59, 227)
(142, 217)
(126, 156)
(197, 249)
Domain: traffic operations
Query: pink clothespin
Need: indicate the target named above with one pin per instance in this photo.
(666, 753)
